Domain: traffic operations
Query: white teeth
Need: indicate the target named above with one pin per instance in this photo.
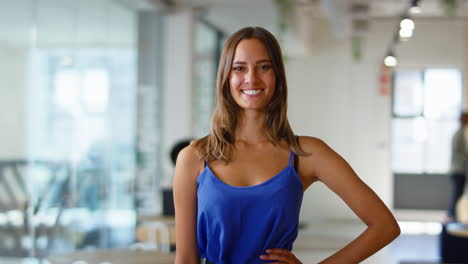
(252, 92)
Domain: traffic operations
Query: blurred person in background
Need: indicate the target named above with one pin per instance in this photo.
(458, 166)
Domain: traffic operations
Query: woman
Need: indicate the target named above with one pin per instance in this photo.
(238, 191)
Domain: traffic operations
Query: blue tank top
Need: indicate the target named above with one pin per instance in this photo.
(235, 225)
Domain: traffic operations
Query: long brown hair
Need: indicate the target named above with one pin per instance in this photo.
(219, 143)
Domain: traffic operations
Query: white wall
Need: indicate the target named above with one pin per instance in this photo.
(436, 43)
(338, 100)
(178, 83)
(465, 70)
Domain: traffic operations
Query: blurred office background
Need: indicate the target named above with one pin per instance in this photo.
(94, 94)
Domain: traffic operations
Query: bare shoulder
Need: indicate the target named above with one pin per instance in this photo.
(318, 152)
(324, 163)
(188, 154)
(189, 160)
(321, 161)
(313, 145)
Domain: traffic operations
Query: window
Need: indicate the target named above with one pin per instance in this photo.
(207, 51)
(426, 108)
(68, 72)
(82, 112)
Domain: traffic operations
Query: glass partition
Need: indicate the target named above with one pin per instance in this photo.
(207, 52)
(68, 85)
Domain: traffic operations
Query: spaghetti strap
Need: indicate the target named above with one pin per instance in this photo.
(296, 157)
(296, 161)
(291, 158)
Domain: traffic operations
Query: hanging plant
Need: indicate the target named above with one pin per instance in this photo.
(450, 7)
(284, 7)
(356, 47)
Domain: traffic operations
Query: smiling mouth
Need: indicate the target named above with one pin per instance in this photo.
(252, 91)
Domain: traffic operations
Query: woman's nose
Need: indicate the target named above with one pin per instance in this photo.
(251, 76)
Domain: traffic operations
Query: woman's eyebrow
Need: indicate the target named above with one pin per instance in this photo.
(259, 61)
(262, 61)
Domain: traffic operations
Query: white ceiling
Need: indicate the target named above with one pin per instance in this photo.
(233, 14)
(378, 8)
(229, 15)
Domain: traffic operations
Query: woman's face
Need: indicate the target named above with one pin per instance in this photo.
(252, 79)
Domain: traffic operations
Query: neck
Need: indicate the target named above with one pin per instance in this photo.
(251, 127)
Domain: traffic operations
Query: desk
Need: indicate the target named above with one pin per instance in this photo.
(158, 230)
(112, 256)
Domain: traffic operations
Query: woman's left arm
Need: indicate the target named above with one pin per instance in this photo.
(330, 168)
(326, 165)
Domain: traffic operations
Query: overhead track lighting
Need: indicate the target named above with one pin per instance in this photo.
(407, 24)
(406, 28)
(403, 32)
(390, 60)
(414, 8)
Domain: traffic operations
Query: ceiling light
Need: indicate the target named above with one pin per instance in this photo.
(407, 24)
(390, 60)
(405, 33)
(415, 8)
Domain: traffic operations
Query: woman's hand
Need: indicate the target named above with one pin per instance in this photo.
(283, 256)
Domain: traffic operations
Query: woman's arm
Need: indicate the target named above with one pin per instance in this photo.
(185, 203)
(331, 169)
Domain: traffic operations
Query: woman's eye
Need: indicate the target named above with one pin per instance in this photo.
(264, 67)
(238, 68)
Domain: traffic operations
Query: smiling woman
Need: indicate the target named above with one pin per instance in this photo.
(252, 79)
(238, 191)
